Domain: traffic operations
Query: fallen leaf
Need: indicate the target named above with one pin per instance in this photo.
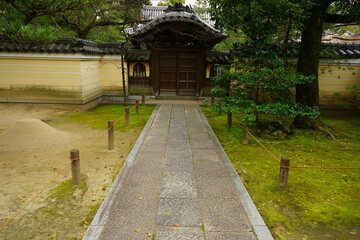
(176, 224)
(149, 234)
(140, 198)
(168, 213)
(138, 230)
(226, 197)
(353, 233)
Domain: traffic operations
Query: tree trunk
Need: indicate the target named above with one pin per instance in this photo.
(83, 33)
(308, 62)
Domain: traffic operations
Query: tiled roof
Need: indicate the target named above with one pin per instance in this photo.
(327, 50)
(76, 45)
(341, 50)
(65, 45)
(218, 56)
(179, 15)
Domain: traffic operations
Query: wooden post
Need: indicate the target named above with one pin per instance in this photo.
(229, 119)
(75, 166)
(111, 134)
(143, 99)
(212, 100)
(245, 139)
(137, 106)
(284, 173)
(220, 110)
(127, 116)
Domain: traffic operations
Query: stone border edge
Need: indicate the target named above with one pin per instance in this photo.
(261, 230)
(100, 218)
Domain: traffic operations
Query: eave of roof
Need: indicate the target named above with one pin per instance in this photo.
(65, 45)
(213, 35)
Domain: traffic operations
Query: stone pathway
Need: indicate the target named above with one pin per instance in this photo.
(177, 183)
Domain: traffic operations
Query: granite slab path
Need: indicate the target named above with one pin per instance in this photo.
(177, 183)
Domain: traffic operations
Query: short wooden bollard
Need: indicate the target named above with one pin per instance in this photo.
(212, 101)
(111, 134)
(245, 139)
(137, 106)
(284, 173)
(220, 111)
(75, 166)
(229, 120)
(143, 99)
(127, 116)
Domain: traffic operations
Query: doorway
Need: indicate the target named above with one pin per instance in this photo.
(178, 72)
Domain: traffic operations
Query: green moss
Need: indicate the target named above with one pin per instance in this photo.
(66, 189)
(90, 215)
(98, 117)
(316, 197)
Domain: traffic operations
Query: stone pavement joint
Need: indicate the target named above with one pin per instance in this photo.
(177, 184)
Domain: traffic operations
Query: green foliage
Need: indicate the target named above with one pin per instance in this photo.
(42, 21)
(32, 33)
(170, 2)
(106, 34)
(318, 201)
(259, 84)
(259, 20)
(228, 44)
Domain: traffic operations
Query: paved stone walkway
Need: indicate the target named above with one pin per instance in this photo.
(177, 183)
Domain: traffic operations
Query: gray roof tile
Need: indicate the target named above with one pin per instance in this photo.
(65, 45)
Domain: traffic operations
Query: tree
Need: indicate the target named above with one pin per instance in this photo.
(275, 19)
(31, 9)
(101, 13)
(170, 2)
(258, 84)
(31, 20)
(308, 61)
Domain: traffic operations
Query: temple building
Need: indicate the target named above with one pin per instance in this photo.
(170, 56)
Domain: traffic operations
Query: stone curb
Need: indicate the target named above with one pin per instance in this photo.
(261, 230)
(99, 221)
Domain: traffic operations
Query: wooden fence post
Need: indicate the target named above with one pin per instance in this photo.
(75, 166)
(143, 99)
(229, 120)
(220, 110)
(284, 173)
(111, 134)
(137, 106)
(245, 139)
(127, 116)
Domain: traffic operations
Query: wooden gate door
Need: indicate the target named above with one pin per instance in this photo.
(178, 73)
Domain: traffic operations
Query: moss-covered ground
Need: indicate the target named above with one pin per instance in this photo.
(319, 203)
(98, 117)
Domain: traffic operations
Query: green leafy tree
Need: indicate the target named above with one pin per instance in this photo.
(170, 2)
(263, 20)
(96, 14)
(41, 21)
(18, 24)
(259, 84)
(342, 11)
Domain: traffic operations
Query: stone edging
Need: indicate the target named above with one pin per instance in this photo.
(99, 221)
(261, 230)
